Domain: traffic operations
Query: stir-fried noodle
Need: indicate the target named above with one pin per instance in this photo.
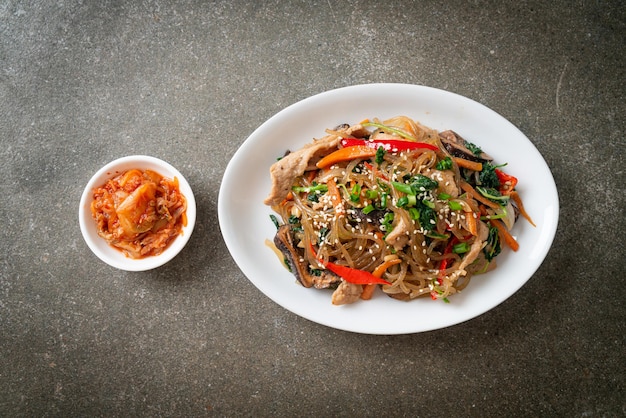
(394, 204)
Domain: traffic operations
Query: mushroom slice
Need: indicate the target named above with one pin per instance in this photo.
(284, 241)
(457, 147)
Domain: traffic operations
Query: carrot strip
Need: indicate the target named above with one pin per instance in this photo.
(472, 225)
(505, 235)
(471, 165)
(346, 154)
(335, 196)
(287, 199)
(477, 196)
(368, 290)
(518, 202)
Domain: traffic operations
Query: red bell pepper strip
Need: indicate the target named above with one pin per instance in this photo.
(444, 264)
(389, 145)
(350, 275)
(507, 182)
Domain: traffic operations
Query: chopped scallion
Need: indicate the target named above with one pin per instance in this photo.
(460, 248)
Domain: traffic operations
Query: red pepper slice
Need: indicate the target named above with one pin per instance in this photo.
(444, 263)
(350, 275)
(389, 145)
(507, 182)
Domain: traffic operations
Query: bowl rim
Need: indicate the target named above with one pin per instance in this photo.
(100, 247)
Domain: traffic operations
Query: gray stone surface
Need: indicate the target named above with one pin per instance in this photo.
(85, 82)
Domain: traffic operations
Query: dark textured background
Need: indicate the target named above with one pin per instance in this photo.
(82, 83)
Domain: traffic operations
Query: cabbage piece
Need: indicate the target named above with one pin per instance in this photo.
(137, 213)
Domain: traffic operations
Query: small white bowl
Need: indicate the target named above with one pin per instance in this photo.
(100, 247)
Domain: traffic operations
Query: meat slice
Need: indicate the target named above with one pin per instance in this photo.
(296, 163)
(399, 235)
(346, 293)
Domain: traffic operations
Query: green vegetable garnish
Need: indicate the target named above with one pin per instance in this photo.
(403, 187)
(474, 148)
(455, 205)
(355, 193)
(460, 248)
(371, 194)
(421, 183)
(380, 155)
(368, 209)
(444, 164)
(493, 247)
(488, 177)
(322, 188)
(494, 195)
(275, 221)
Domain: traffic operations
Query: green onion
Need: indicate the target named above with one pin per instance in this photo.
(435, 235)
(443, 196)
(444, 164)
(493, 194)
(460, 248)
(322, 188)
(402, 187)
(429, 203)
(383, 200)
(455, 205)
(414, 214)
(371, 194)
(368, 209)
(355, 194)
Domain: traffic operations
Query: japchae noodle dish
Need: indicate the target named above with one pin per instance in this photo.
(393, 205)
(139, 212)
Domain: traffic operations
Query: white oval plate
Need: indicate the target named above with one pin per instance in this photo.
(245, 223)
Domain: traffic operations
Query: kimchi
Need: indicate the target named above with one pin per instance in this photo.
(139, 212)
